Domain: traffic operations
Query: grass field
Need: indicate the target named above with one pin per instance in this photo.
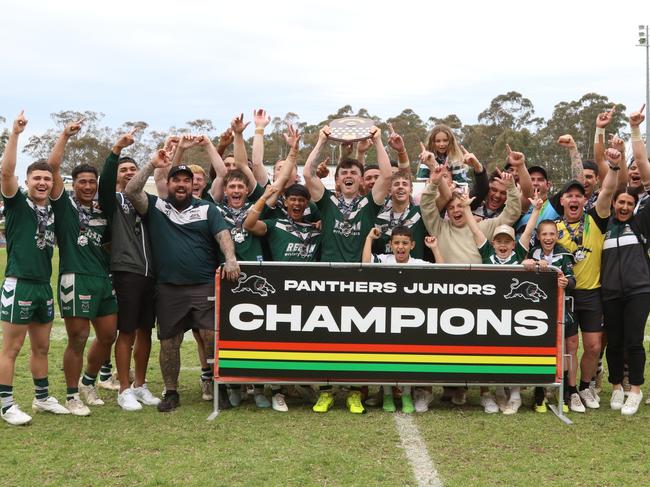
(248, 446)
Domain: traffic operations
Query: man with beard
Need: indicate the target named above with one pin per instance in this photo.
(133, 277)
(183, 231)
(346, 220)
(27, 301)
(583, 233)
(86, 291)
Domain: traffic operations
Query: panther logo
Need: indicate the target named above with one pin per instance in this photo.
(253, 284)
(526, 289)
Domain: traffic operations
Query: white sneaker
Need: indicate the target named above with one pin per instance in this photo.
(207, 390)
(617, 399)
(460, 396)
(489, 404)
(144, 395)
(501, 399)
(110, 384)
(77, 407)
(89, 395)
(50, 405)
(594, 392)
(588, 399)
(15, 416)
(421, 400)
(514, 403)
(279, 403)
(127, 400)
(631, 405)
(575, 403)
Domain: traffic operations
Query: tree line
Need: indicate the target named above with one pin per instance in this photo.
(509, 119)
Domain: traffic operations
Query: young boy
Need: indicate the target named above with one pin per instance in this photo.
(401, 244)
(549, 252)
(501, 251)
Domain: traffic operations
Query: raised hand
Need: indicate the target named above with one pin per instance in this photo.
(322, 171)
(237, 125)
(617, 143)
(364, 145)
(270, 190)
(515, 159)
(188, 141)
(73, 128)
(470, 159)
(426, 157)
(567, 141)
(613, 156)
(431, 242)
(161, 159)
(171, 143)
(637, 118)
(20, 123)
(323, 134)
(203, 140)
(374, 233)
(506, 178)
(225, 139)
(292, 136)
(465, 200)
(260, 118)
(127, 139)
(536, 202)
(395, 140)
(436, 173)
(603, 119)
(376, 134)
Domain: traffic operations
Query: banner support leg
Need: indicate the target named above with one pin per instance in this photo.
(215, 401)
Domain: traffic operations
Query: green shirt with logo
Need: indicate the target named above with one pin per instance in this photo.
(293, 241)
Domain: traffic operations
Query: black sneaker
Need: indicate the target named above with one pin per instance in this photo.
(170, 401)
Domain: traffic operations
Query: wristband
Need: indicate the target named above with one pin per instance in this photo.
(636, 134)
(614, 168)
(259, 130)
(599, 131)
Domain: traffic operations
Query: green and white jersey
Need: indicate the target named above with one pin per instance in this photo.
(411, 218)
(247, 246)
(489, 255)
(80, 235)
(559, 258)
(293, 241)
(30, 238)
(183, 243)
(346, 226)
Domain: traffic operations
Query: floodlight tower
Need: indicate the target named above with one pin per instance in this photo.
(644, 42)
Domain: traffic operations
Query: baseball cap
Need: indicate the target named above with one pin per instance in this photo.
(181, 168)
(574, 183)
(504, 229)
(532, 169)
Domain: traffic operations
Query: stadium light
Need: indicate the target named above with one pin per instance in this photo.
(643, 42)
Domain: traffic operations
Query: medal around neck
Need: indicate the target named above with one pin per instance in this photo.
(350, 129)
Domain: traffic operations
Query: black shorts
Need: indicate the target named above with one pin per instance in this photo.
(182, 307)
(570, 324)
(135, 298)
(588, 310)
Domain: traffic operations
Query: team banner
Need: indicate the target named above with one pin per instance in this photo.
(371, 323)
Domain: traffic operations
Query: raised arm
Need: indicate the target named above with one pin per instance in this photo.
(432, 242)
(430, 212)
(252, 222)
(639, 150)
(108, 178)
(518, 161)
(292, 137)
(171, 145)
(56, 156)
(604, 201)
(312, 181)
(481, 185)
(479, 237)
(396, 142)
(381, 187)
(366, 255)
(241, 160)
(527, 235)
(602, 121)
(8, 180)
(577, 171)
(261, 120)
(619, 144)
(217, 166)
(135, 188)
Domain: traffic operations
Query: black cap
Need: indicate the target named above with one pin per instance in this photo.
(574, 183)
(176, 169)
(532, 169)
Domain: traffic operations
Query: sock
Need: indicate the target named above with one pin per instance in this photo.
(275, 390)
(583, 385)
(572, 390)
(514, 393)
(539, 395)
(500, 391)
(105, 371)
(406, 390)
(88, 379)
(71, 392)
(6, 397)
(206, 373)
(41, 389)
(388, 390)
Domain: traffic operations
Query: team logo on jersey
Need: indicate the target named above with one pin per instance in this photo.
(526, 289)
(254, 284)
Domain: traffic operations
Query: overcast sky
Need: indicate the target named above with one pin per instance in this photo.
(170, 62)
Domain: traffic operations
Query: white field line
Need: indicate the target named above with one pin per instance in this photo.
(424, 471)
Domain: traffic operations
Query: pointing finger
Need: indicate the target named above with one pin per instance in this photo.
(508, 149)
(640, 109)
(422, 147)
(392, 130)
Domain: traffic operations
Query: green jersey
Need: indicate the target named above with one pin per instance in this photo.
(30, 238)
(183, 242)
(489, 255)
(247, 246)
(293, 241)
(80, 234)
(411, 218)
(346, 226)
